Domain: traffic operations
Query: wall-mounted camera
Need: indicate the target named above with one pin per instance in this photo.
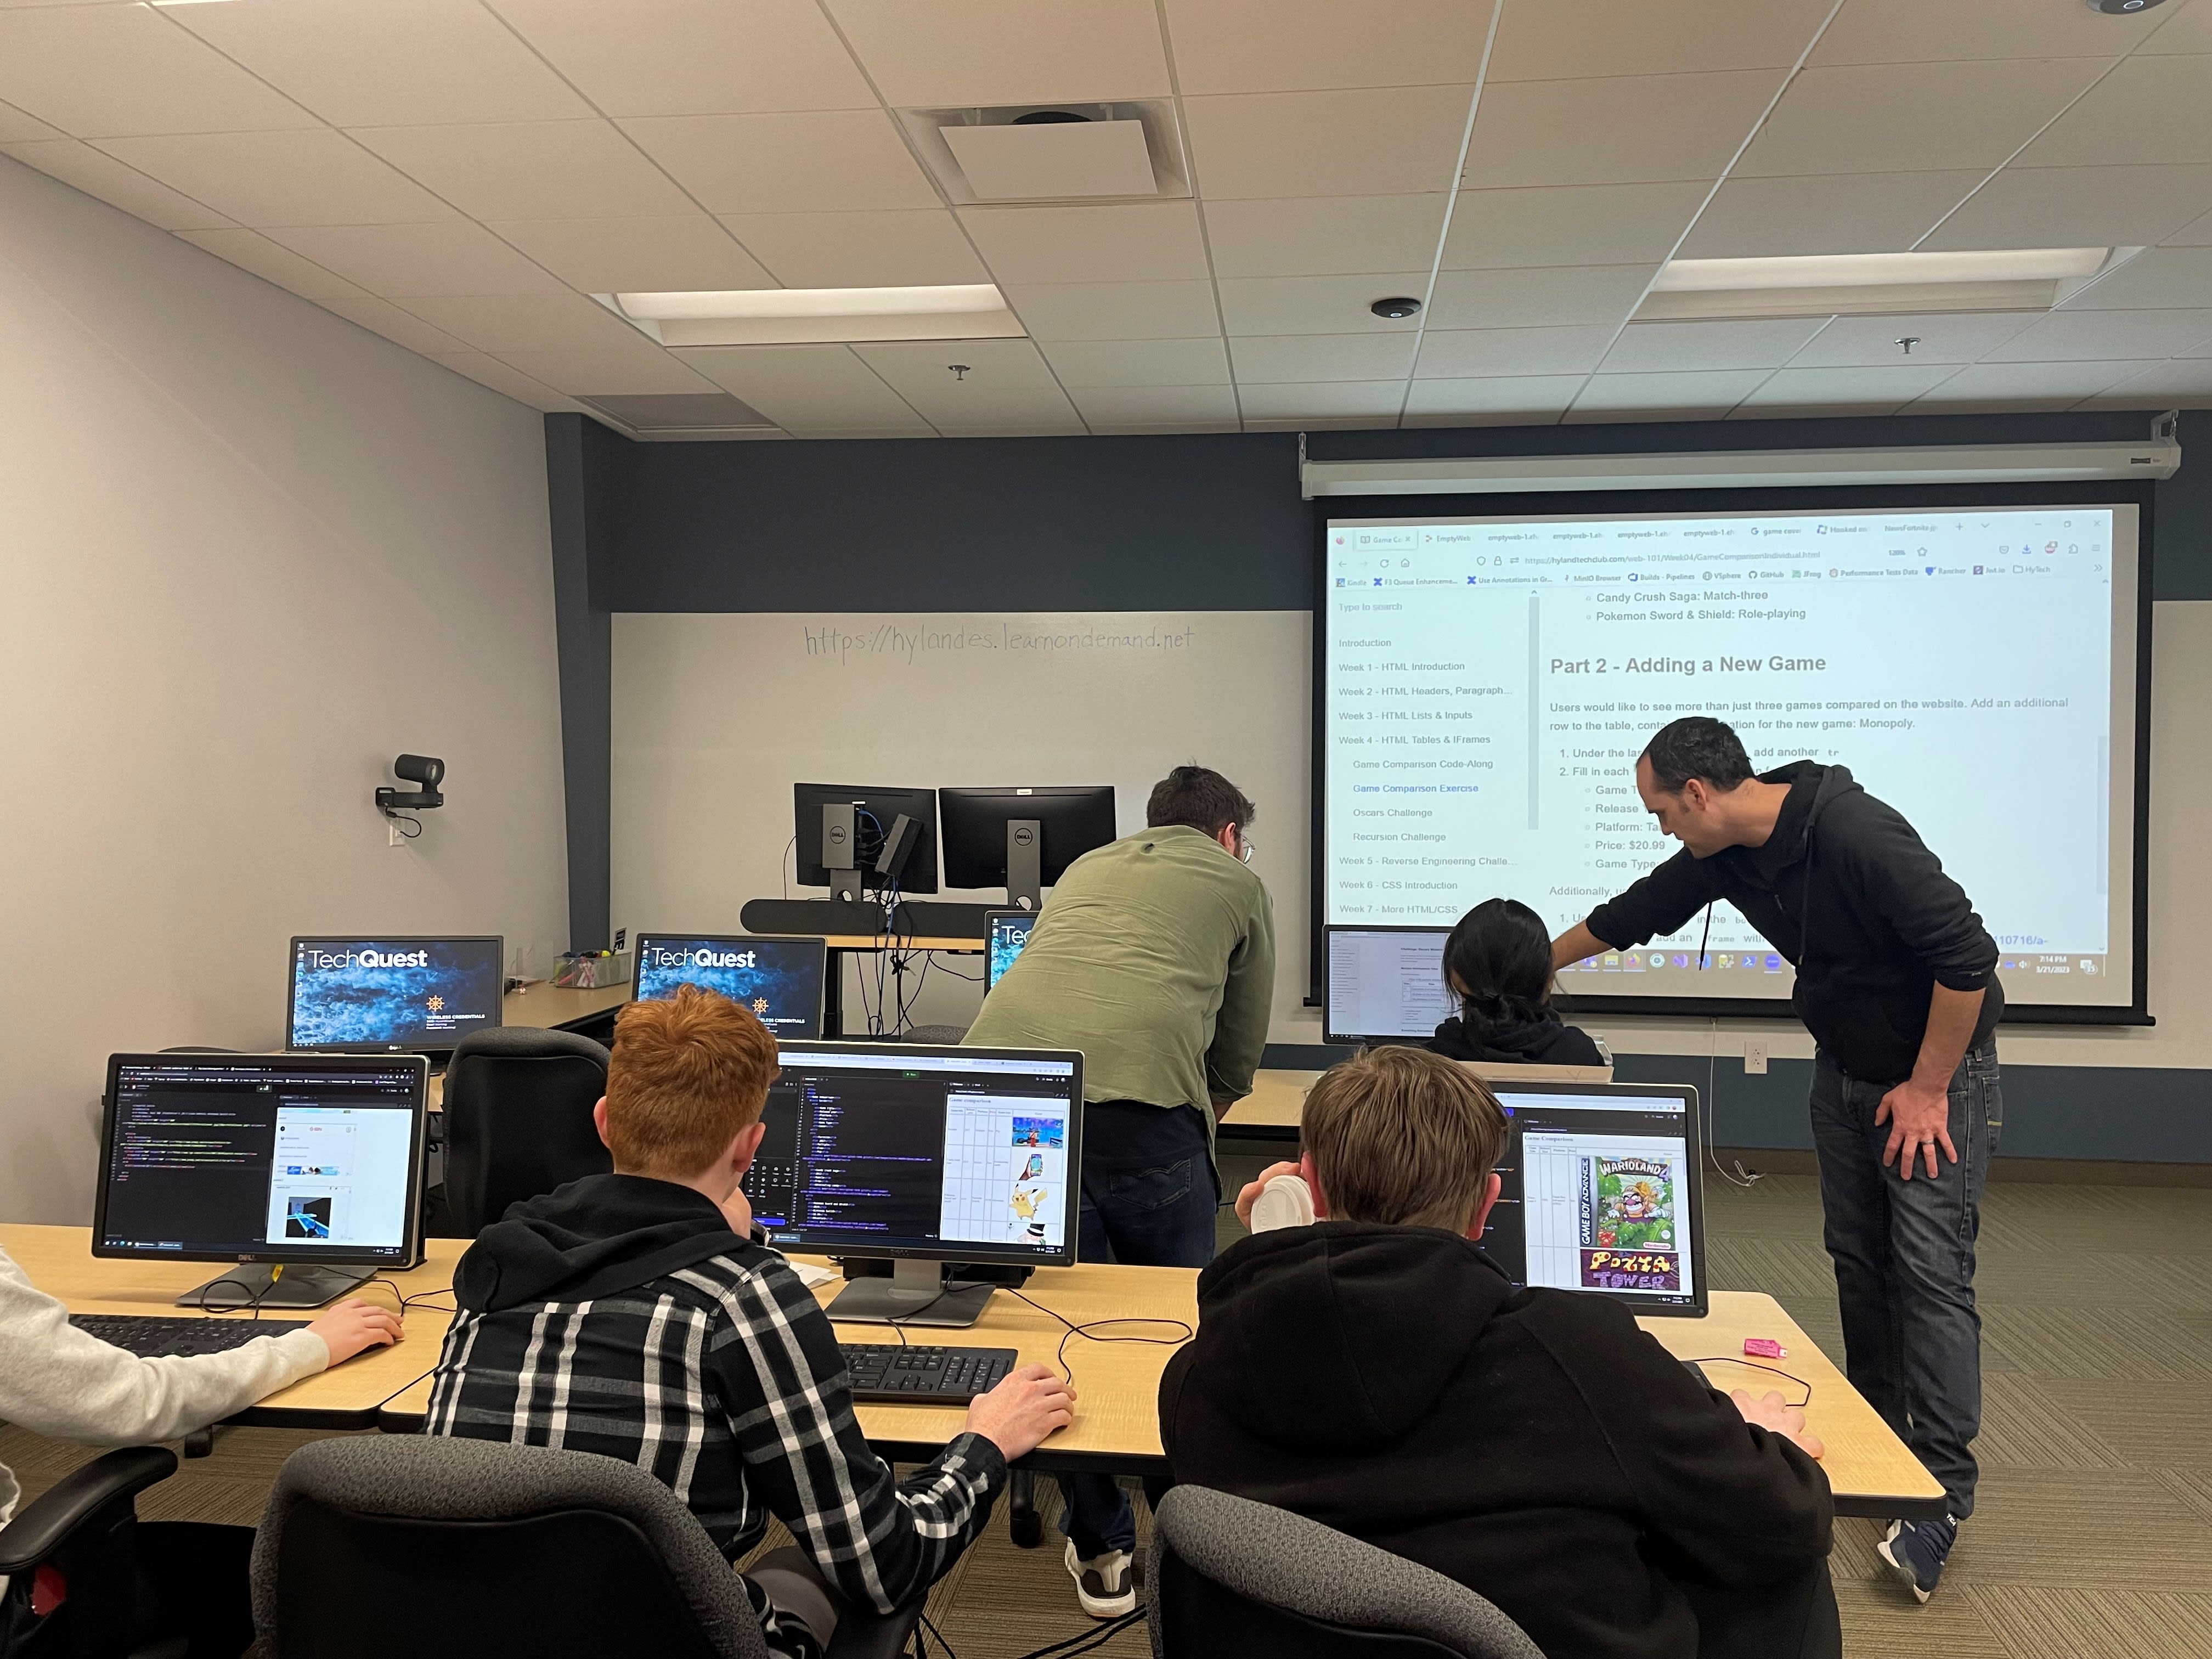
(427, 772)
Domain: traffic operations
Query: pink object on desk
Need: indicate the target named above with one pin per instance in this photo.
(1765, 1347)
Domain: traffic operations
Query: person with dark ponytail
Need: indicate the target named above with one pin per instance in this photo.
(1498, 966)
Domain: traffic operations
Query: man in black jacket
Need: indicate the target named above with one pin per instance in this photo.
(1897, 983)
(1377, 1373)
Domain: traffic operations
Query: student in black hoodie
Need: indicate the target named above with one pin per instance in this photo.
(637, 1315)
(1897, 983)
(1377, 1373)
(1498, 965)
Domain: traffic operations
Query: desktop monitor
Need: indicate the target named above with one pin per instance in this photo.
(1384, 984)
(921, 1154)
(1601, 1192)
(1022, 839)
(382, 995)
(778, 979)
(1004, 934)
(875, 815)
(311, 1163)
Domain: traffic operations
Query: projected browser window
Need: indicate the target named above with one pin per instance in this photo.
(1488, 685)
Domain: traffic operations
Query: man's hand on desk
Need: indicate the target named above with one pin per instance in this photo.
(1029, 1404)
(354, 1325)
(1776, 1418)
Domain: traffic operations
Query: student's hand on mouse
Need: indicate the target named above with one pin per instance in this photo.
(1775, 1416)
(1029, 1402)
(354, 1325)
(1250, 1195)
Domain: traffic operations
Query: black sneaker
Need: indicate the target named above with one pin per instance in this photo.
(1916, 1550)
(1104, 1583)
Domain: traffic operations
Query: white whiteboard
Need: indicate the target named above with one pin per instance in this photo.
(717, 715)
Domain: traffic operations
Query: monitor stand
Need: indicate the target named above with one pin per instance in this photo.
(915, 1294)
(254, 1284)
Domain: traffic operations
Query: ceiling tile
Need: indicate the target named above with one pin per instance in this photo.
(1007, 386)
(20, 127)
(1007, 51)
(508, 382)
(1121, 406)
(2196, 234)
(382, 317)
(1826, 213)
(1931, 116)
(1618, 130)
(2078, 207)
(2085, 336)
(314, 177)
(1309, 45)
(530, 169)
(636, 256)
(918, 247)
(2171, 97)
(386, 62)
(847, 159)
(1327, 143)
(1957, 336)
(1569, 225)
(407, 261)
(118, 184)
(1456, 354)
(608, 374)
(694, 57)
(1116, 311)
(2187, 27)
(1645, 348)
(104, 71)
(1534, 296)
(809, 389)
(249, 250)
(1322, 235)
(1688, 395)
(2028, 385)
(2158, 277)
(1361, 400)
(1633, 37)
(1914, 32)
(1135, 241)
(1096, 364)
(528, 322)
(2187, 380)
(1492, 402)
(1881, 389)
(1280, 357)
(1317, 305)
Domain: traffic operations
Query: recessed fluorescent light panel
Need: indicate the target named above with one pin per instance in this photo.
(1874, 284)
(800, 316)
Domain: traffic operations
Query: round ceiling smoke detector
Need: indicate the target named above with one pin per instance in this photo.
(2123, 8)
(1402, 305)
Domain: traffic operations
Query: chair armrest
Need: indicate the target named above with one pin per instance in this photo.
(44, 1525)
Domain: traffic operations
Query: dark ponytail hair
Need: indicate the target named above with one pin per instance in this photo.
(1501, 953)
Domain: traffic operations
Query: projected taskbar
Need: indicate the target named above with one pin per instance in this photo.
(1659, 970)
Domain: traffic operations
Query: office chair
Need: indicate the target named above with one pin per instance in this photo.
(1233, 1579)
(454, 1549)
(518, 1121)
(946, 1036)
(78, 1541)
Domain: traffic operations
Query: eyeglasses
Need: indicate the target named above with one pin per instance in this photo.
(1250, 845)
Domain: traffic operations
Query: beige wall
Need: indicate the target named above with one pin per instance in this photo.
(248, 552)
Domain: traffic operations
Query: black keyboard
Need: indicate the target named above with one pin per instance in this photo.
(155, 1339)
(883, 1370)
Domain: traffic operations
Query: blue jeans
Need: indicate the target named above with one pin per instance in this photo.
(1149, 1197)
(1904, 1252)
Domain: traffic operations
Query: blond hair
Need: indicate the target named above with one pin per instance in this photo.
(689, 1075)
(1404, 1137)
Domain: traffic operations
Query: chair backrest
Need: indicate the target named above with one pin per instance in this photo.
(1234, 1579)
(941, 1034)
(519, 1120)
(457, 1549)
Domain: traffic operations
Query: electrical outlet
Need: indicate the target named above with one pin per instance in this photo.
(1754, 1056)
(393, 837)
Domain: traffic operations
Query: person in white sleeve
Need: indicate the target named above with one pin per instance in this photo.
(62, 1382)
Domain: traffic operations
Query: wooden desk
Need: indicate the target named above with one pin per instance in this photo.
(541, 1002)
(60, 1263)
(1273, 1110)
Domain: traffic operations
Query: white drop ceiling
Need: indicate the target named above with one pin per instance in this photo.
(460, 175)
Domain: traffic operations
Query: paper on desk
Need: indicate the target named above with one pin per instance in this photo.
(810, 1275)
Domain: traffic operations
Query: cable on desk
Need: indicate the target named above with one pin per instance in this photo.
(1085, 1330)
(236, 1307)
(1738, 1360)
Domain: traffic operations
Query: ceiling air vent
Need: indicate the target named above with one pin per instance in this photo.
(679, 414)
(1052, 152)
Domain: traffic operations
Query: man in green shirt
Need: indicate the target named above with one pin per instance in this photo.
(1156, 957)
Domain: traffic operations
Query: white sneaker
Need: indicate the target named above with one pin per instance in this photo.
(1103, 1584)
